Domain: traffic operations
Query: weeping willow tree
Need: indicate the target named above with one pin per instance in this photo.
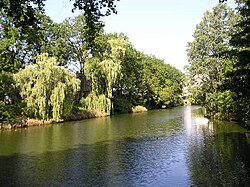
(104, 74)
(48, 89)
(99, 103)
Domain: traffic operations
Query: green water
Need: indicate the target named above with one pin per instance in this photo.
(174, 147)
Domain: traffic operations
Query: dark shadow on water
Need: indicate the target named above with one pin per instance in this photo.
(220, 160)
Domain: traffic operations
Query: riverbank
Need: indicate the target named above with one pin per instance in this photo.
(24, 123)
(84, 114)
(27, 122)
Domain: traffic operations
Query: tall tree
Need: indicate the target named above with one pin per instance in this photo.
(207, 67)
(239, 77)
(93, 10)
(17, 48)
(105, 71)
(71, 43)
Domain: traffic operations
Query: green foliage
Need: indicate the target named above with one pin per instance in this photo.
(208, 64)
(99, 103)
(147, 81)
(9, 44)
(18, 47)
(239, 75)
(93, 11)
(72, 44)
(6, 84)
(132, 85)
(162, 83)
(117, 71)
(20, 41)
(105, 73)
(221, 105)
(22, 13)
(123, 74)
(9, 112)
(122, 105)
(48, 89)
(166, 95)
(211, 40)
(220, 62)
(94, 8)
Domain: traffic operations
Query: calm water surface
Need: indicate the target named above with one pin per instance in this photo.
(175, 147)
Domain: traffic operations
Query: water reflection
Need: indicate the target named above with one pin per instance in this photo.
(176, 147)
(217, 154)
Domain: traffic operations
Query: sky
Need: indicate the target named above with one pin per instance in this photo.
(156, 27)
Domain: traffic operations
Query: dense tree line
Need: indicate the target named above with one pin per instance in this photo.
(120, 76)
(56, 71)
(219, 70)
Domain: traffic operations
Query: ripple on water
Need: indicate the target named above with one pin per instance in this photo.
(157, 148)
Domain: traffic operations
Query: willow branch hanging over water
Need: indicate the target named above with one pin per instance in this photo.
(106, 73)
(48, 89)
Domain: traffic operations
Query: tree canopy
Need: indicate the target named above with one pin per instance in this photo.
(118, 76)
(48, 89)
(208, 67)
(113, 76)
(239, 76)
(219, 62)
